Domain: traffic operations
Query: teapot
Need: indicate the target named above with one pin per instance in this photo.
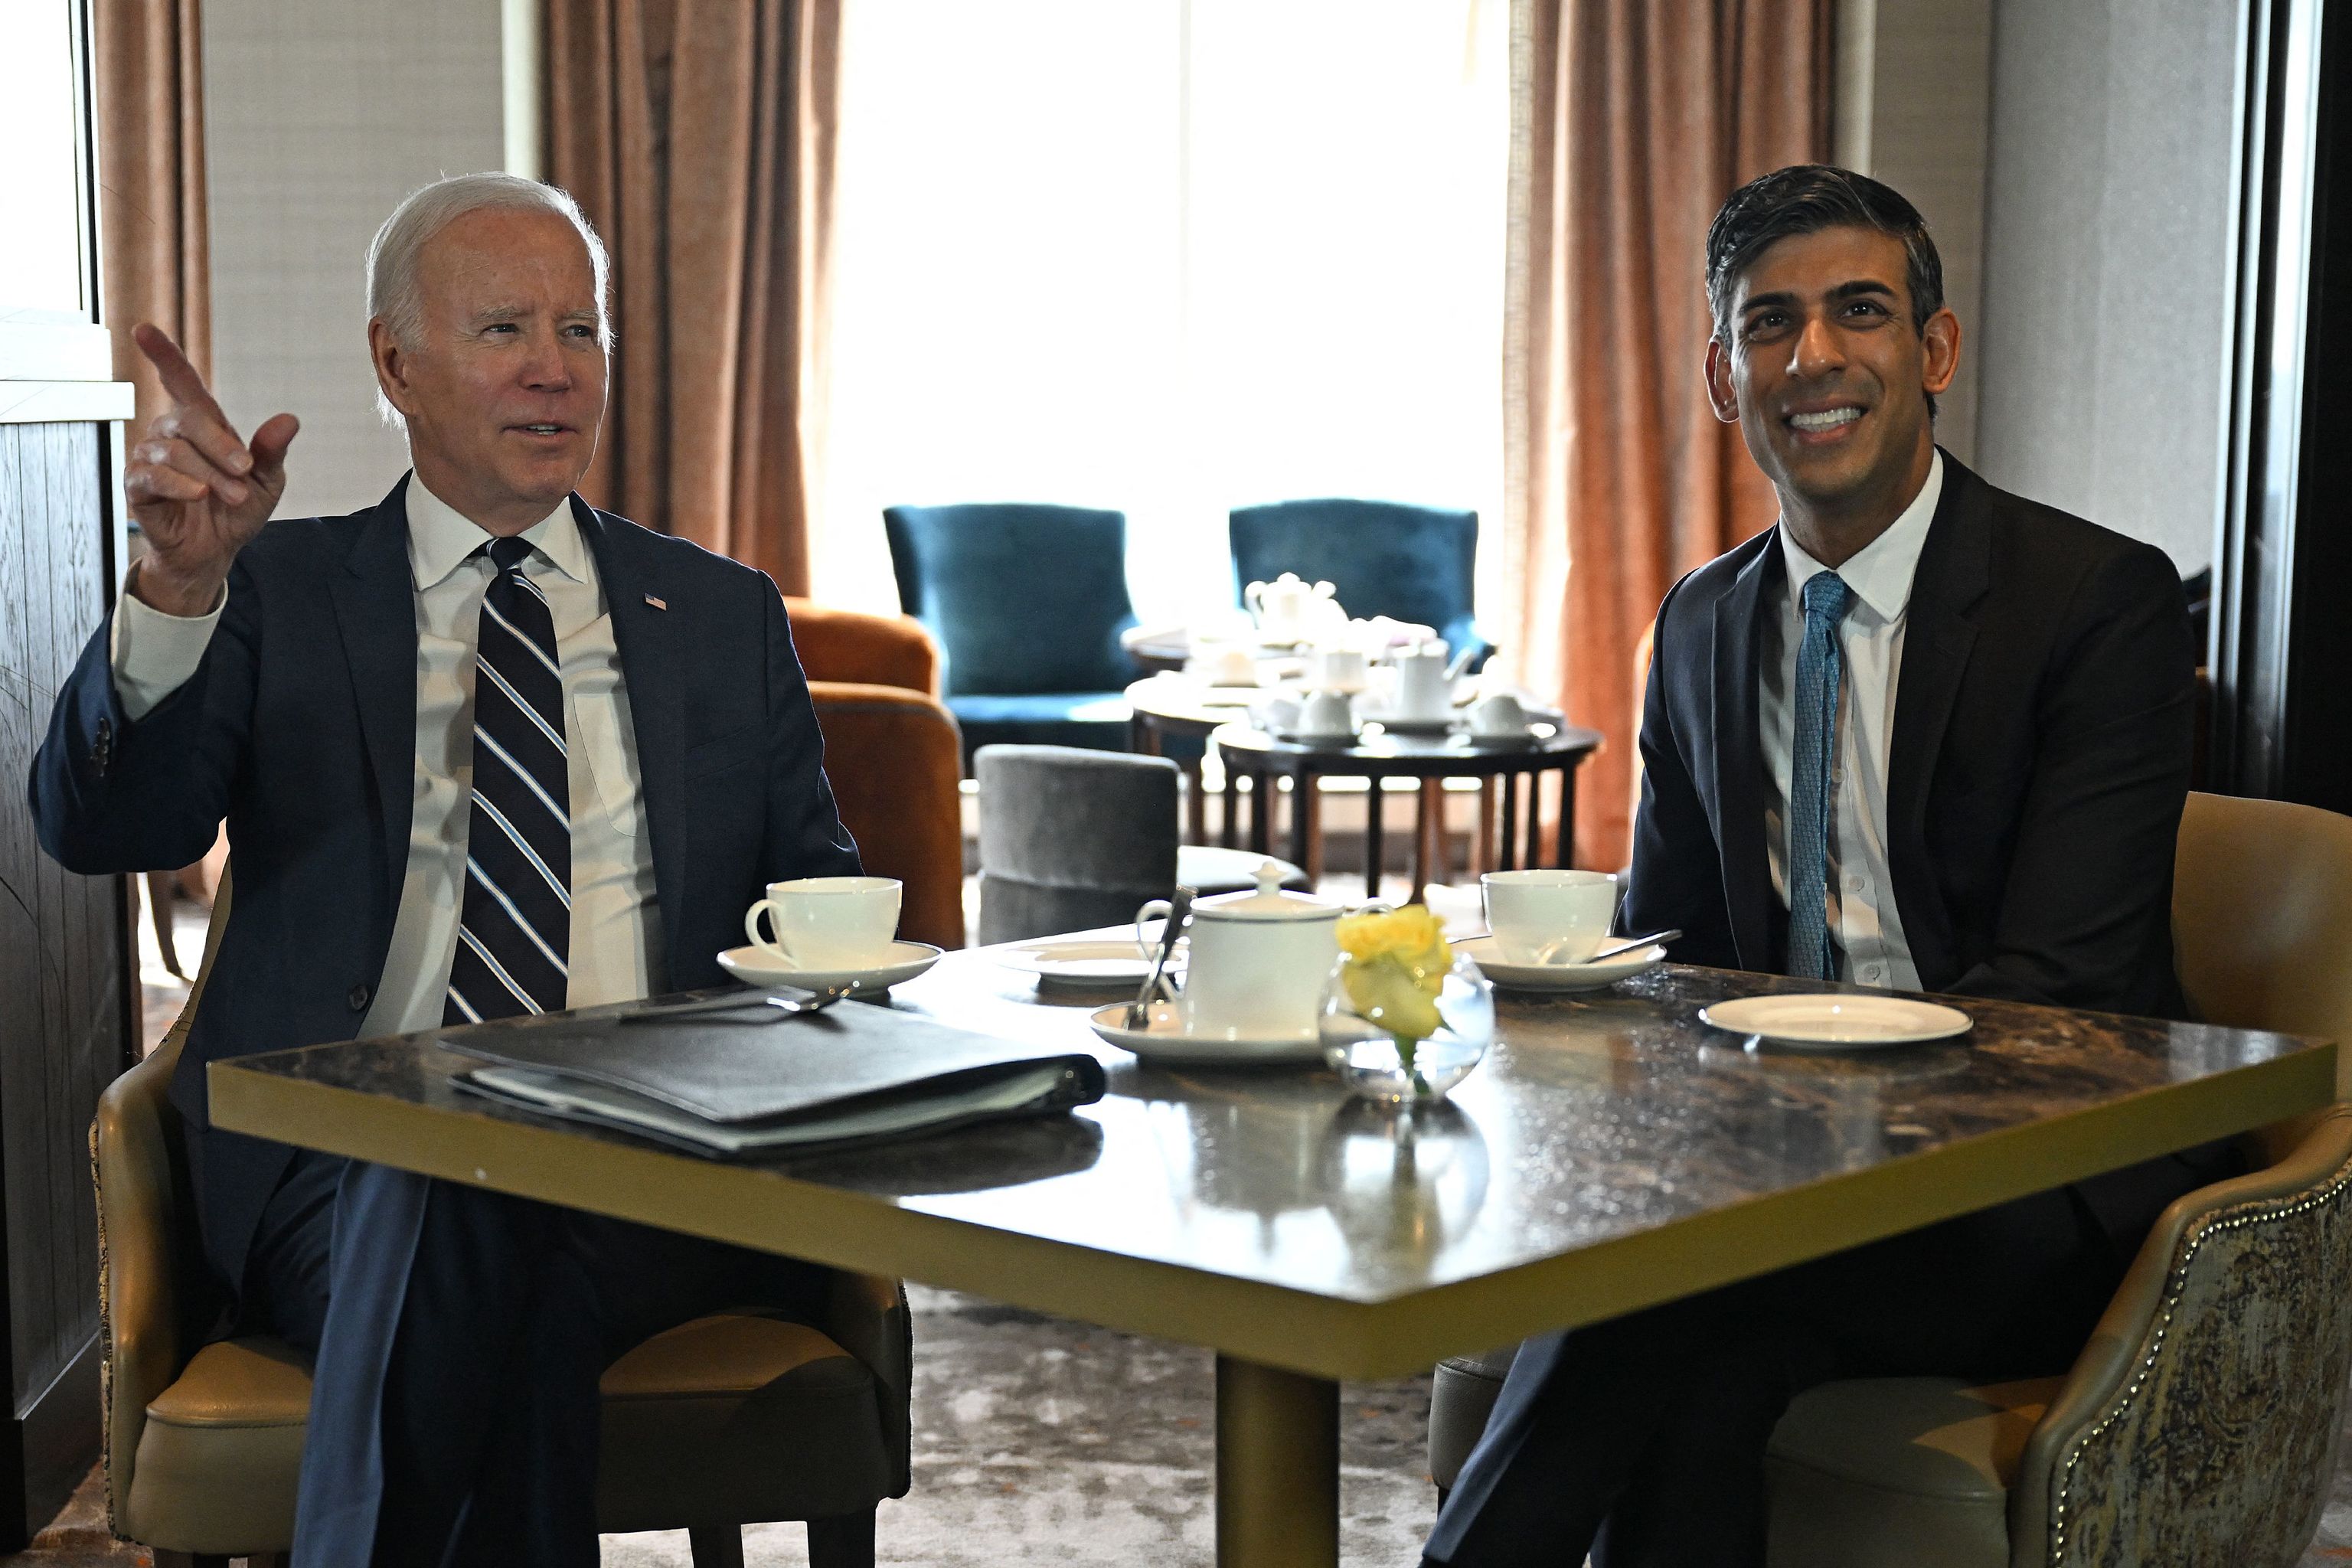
(1259, 961)
(1424, 690)
(1288, 608)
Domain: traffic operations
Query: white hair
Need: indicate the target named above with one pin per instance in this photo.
(393, 295)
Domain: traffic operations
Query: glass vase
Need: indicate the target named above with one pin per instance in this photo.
(1362, 1044)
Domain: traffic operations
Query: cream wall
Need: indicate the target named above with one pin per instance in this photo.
(320, 117)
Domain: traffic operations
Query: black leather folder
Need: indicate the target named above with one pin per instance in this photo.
(737, 1086)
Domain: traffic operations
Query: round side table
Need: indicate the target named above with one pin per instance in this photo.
(1516, 770)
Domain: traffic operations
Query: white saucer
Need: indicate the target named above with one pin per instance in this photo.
(1082, 965)
(1480, 949)
(755, 966)
(1837, 1020)
(1164, 1043)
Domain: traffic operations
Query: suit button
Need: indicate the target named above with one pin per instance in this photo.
(359, 998)
(102, 750)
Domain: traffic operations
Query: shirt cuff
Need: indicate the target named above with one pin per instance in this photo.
(153, 654)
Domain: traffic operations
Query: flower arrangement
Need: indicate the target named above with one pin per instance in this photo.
(1394, 967)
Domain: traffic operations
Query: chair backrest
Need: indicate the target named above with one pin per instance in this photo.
(1024, 598)
(1071, 840)
(2201, 1422)
(154, 1293)
(895, 760)
(1381, 558)
(2262, 918)
(873, 650)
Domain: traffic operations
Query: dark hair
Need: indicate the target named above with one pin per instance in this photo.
(1806, 198)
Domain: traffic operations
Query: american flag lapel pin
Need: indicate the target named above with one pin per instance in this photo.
(657, 603)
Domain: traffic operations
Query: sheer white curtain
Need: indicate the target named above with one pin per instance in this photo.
(1166, 256)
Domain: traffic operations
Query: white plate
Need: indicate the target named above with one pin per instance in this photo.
(1164, 1043)
(757, 967)
(1092, 964)
(1837, 1019)
(1480, 949)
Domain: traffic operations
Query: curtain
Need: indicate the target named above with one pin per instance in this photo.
(699, 137)
(1630, 123)
(154, 261)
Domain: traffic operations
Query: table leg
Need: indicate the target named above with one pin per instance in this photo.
(1196, 805)
(1372, 849)
(1230, 831)
(1566, 856)
(1483, 844)
(1262, 794)
(1506, 851)
(1302, 824)
(1278, 1468)
(1422, 860)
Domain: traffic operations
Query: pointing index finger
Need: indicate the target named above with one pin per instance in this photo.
(179, 377)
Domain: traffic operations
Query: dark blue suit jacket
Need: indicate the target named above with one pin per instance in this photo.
(2040, 764)
(300, 727)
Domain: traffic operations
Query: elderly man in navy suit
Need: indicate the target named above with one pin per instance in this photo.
(482, 750)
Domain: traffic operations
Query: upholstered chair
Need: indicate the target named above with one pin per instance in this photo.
(2200, 1425)
(731, 1418)
(1072, 839)
(834, 644)
(893, 753)
(1381, 558)
(1029, 601)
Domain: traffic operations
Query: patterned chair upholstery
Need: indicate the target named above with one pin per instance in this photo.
(2199, 1423)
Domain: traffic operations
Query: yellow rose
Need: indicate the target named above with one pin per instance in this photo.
(1396, 967)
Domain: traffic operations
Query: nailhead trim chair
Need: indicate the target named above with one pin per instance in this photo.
(731, 1418)
(2200, 1425)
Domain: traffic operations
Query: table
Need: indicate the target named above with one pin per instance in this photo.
(1172, 705)
(1613, 1153)
(1515, 770)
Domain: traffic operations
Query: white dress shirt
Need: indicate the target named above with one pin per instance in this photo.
(616, 952)
(1862, 917)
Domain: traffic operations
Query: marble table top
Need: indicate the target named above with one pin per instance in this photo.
(1613, 1152)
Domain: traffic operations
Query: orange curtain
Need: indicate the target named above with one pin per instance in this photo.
(1632, 122)
(155, 262)
(699, 137)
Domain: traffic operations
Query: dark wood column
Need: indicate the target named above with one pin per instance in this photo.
(68, 975)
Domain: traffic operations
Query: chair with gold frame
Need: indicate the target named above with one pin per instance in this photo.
(733, 1418)
(2199, 1423)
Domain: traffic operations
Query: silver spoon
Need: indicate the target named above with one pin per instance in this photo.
(785, 1007)
(1614, 950)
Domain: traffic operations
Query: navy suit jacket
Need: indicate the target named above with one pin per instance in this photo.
(2038, 766)
(300, 727)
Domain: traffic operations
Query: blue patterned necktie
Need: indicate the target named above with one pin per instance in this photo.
(1812, 797)
(514, 938)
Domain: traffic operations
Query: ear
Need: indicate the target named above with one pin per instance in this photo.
(1939, 360)
(391, 365)
(1720, 393)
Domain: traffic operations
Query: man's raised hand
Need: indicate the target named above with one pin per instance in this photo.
(198, 490)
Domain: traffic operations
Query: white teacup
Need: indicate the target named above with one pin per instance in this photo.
(1342, 668)
(1549, 917)
(828, 922)
(1498, 717)
(1326, 713)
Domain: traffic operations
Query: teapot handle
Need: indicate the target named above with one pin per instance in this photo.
(1254, 597)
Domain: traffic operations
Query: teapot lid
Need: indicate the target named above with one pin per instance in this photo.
(1269, 902)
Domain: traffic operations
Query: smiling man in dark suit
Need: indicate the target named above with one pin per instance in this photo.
(482, 750)
(1922, 734)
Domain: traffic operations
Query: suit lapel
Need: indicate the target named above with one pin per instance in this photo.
(652, 669)
(375, 610)
(1738, 760)
(1954, 571)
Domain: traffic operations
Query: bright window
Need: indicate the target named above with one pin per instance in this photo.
(1165, 256)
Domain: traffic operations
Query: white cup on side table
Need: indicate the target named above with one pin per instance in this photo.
(1549, 916)
(828, 922)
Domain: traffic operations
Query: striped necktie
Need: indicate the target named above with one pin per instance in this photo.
(514, 938)
(1812, 771)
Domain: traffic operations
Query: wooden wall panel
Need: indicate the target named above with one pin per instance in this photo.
(65, 1026)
